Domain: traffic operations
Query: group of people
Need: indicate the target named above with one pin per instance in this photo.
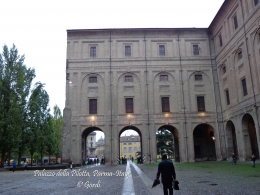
(93, 161)
(234, 159)
(14, 165)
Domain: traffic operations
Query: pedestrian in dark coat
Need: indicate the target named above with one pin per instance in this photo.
(14, 165)
(167, 171)
(253, 160)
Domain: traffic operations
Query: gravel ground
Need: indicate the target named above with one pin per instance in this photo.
(106, 180)
(210, 182)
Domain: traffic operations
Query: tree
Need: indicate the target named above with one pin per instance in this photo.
(164, 142)
(39, 114)
(57, 123)
(15, 81)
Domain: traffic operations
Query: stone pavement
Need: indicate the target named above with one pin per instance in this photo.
(127, 179)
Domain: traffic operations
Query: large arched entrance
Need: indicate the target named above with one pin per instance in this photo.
(250, 138)
(130, 145)
(204, 143)
(231, 139)
(89, 144)
(173, 138)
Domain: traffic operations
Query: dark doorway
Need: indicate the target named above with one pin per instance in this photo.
(231, 139)
(204, 143)
(250, 138)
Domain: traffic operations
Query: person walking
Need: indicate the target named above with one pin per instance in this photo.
(25, 166)
(14, 165)
(71, 165)
(253, 160)
(234, 158)
(167, 171)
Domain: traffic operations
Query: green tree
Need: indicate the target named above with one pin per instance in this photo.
(57, 123)
(164, 142)
(39, 114)
(15, 81)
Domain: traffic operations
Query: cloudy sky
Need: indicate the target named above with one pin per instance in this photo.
(38, 27)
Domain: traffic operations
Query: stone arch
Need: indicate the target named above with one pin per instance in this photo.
(165, 89)
(134, 128)
(84, 145)
(128, 73)
(129, 90)
(204, 143)
(200, 88)
(175, 134)
(249, 137)
(91, 91)
(231, 139)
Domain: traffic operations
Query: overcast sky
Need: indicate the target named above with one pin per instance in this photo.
(38, 27)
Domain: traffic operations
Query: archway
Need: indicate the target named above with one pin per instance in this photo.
(173, 142)
(90, 146)
(231, 139)
(250, 138)
(204, 143)
(130, 145)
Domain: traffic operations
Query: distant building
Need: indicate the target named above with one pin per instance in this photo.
(129, 145)
(100, 147)
(91, 145)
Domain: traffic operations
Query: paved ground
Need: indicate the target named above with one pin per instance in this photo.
(109, 180)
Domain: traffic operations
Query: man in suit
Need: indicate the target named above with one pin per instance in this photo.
(167, 171)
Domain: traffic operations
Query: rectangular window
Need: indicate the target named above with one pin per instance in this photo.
(163, 77)
(135, 149)
(128, 78)
(227, 97)
(240, 55)
(129, 105)
(224, 69)
(130, 149)
(165, 104)
(93, 106)
(92, 79)
(161, 50)
(195, 50)
(124, 149)
(92, 51)
(256, 2)
(129, 143)
(244, 87)
(235, 22)
(127, 50)
(201, 103)
(198, 77)
(220, 40)
(124, 143)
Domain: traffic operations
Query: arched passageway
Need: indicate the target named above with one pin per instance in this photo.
(231, 139)
(172, 141)
(204, 143)
(89, 143)
(249, 135)
(130, 145)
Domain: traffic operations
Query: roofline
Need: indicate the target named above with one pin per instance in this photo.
(144, 29)
(220, 9)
